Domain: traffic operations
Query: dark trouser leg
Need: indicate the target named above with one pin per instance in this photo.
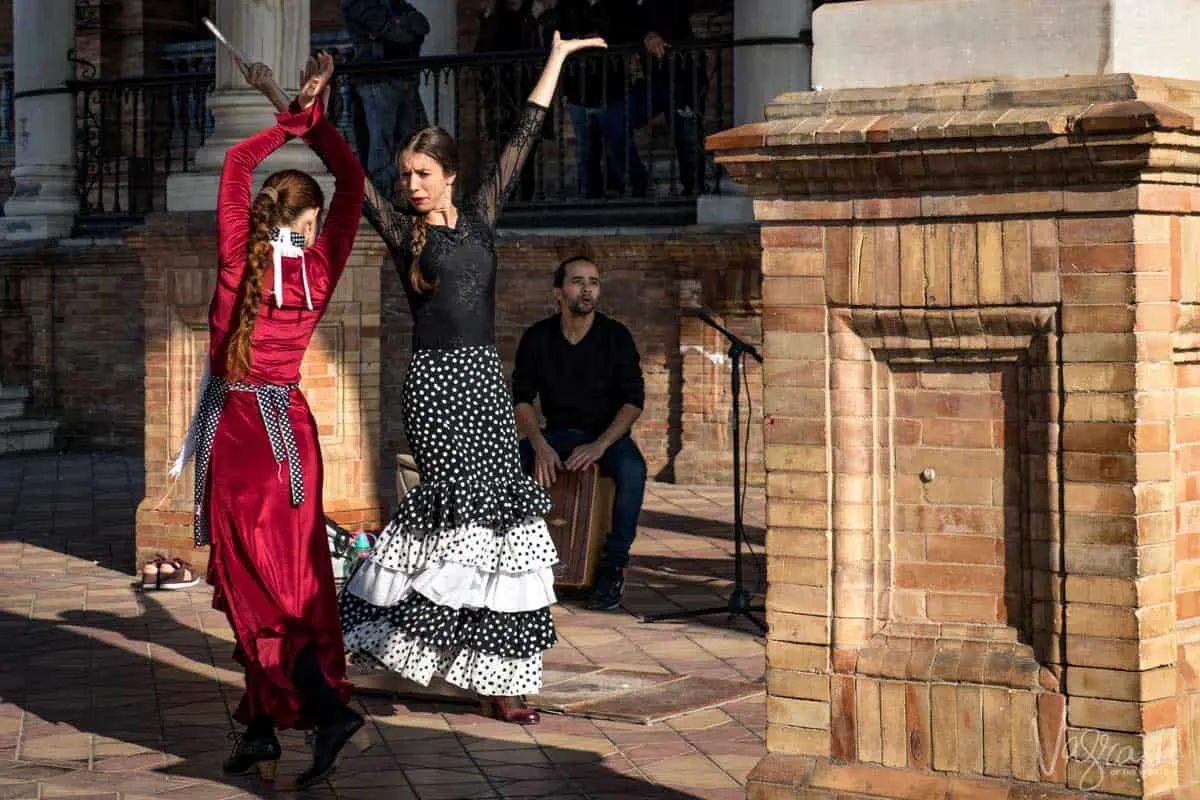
(381, 106)
(587, 149)
(623, 462)
(321, 700)
(620, 146)
(260, 728)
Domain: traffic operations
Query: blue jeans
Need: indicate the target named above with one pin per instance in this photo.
(394, 112)
(602, 131)
(650, 98)
(623, 463)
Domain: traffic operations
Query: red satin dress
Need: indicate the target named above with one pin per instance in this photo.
(270, 565)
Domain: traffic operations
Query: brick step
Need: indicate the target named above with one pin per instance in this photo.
(26, 435)
(12, 401)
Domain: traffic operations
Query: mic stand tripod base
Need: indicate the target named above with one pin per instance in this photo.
(739, 603)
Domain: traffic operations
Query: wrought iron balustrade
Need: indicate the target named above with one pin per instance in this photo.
(133, 133)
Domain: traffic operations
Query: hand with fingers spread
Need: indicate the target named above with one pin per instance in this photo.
(656, 44)
(316, 80)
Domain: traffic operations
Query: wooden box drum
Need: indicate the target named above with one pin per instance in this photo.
(579, 522)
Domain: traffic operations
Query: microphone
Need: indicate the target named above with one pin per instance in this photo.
(737, 344)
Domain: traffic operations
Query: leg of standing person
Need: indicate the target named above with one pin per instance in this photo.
(358, 123)
(623, 462)
(620, 149)
(585, 124)
(411, 117)
(690, 99)
(381, 107)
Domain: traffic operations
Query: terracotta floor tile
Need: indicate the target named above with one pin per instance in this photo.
(159, 729)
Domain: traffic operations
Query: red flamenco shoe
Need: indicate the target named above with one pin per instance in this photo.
(510, 709)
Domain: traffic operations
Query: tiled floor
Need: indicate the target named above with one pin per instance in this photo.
(106, 692)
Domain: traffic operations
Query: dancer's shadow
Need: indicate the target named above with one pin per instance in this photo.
(163, 687)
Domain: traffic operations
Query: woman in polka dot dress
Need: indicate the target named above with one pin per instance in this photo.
(460, 583)
(258, 460)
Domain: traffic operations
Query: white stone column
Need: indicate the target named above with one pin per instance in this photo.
(441, 41)
(44, 199)
(760, 74)
(871, 44)
(275, 32)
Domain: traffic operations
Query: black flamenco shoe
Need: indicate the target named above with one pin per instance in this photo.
(328, 742)
(253, 753)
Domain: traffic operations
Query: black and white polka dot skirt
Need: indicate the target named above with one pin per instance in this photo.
(459, 583)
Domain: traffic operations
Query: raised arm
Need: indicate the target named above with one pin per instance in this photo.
(494, 188)
(333, 245)
(391, 225)
(237, 180)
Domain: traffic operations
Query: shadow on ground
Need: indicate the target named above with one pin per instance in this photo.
(163, 711)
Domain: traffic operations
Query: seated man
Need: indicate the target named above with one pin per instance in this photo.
(585, 369)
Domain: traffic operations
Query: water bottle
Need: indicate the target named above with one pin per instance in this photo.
(362, 546)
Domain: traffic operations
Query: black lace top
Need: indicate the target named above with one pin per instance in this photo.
(461, 260)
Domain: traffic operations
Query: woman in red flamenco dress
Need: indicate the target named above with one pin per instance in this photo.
(258, 460)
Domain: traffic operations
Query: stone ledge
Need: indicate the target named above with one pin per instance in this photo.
(987, 135)
(781, 776)
(940, 660)
(956, 96)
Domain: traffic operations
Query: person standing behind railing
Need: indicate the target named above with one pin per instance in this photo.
(508, 26)
(676, 82)
(387, 30)
(596, 91)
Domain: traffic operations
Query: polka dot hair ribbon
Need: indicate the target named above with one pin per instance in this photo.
(287, 243)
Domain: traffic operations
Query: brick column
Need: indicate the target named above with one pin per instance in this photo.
(979, 319)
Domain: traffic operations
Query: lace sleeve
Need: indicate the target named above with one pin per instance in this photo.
(392, 226)
(495, 187)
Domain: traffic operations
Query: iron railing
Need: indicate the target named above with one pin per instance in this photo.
(7, 132)
(133, 133)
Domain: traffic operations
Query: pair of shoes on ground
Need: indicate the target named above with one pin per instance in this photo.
(168, 573)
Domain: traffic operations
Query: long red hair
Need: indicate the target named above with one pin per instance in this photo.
(284, 196)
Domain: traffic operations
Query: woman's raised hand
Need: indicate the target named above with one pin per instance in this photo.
(315, 80)
(565, 47)
(258, 75)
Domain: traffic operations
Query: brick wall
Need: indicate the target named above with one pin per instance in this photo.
(70, 331)
(684, 430)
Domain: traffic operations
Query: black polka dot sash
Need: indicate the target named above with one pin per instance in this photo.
(273, 404)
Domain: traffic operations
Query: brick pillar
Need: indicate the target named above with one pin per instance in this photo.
(979, 313)
(339, 377)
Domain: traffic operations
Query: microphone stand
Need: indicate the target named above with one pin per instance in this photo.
(739, 599)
